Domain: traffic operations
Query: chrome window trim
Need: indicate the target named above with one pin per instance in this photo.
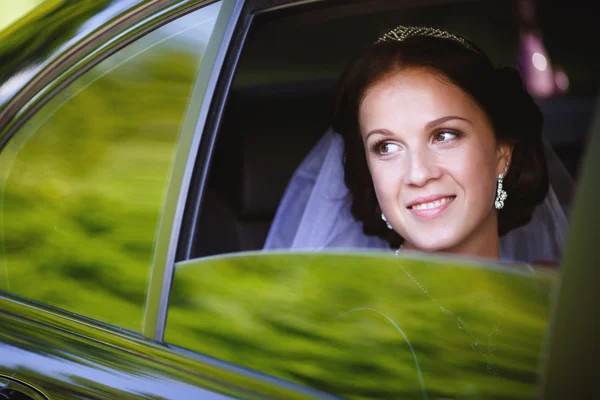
(13, 108)
(10, 383)
(46, 85)
(199, 171)
(157, 300)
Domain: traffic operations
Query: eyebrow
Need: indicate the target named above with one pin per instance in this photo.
(383, 132)
(429, 125)
(439, 121)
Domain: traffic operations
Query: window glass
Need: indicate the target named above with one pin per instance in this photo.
(368, 326)
(83, 182)
(355, 325)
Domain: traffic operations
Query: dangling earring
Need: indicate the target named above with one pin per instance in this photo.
(501, 194)
(386, 221)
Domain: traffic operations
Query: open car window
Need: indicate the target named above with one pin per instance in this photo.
(356, 325)
(280, 105)
(368, 326)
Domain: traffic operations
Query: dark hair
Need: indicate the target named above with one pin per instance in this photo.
(500, 93)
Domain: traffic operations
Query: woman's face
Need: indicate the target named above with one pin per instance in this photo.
(434, 162)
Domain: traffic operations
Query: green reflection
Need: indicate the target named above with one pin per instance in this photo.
(13, 10)
(21, 44)
(82, 183)
(348, 324)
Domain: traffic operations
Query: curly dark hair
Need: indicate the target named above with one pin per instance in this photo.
(515, 117)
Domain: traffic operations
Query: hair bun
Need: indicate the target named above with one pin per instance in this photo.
(517, 104)
(509, 76)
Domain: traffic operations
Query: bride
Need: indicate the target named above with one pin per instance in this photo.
(436, 150)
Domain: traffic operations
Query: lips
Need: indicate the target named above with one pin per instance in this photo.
(430, 201)
(430, 206)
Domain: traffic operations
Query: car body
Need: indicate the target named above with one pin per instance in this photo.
(116, 278)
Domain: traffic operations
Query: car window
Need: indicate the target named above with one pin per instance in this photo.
(281, 100)
(368, 326)
(359, 325)
(83, 182)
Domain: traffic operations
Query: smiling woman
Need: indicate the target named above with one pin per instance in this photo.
(442, 152)
(423, 171)
(431, 131)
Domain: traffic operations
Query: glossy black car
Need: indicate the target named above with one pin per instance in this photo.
(144, 147)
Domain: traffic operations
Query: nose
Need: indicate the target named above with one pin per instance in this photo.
(422, 167)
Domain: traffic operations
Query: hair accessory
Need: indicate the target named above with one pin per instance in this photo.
(501, 194)
(401, 33)
(386, 221)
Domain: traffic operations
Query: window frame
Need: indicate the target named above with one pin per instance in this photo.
(572, 346)
(201, 167)
(81, 63)
(577, 266)
(193, 129)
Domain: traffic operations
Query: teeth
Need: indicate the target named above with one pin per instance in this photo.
(431, 204)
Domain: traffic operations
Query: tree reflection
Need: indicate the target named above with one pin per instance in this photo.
(82, 183)
(367, 327)
(21, 45)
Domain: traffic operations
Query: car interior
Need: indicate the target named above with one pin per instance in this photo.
(281, 101)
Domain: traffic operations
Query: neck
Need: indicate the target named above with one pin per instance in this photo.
(483, 242)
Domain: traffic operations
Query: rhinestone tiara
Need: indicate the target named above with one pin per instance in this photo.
(401, 33)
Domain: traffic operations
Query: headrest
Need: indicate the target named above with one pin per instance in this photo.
(262, 142)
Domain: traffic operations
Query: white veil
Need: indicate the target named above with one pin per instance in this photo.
(314, 212)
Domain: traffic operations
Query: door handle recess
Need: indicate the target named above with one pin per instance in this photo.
(12, 394)
(14, 390)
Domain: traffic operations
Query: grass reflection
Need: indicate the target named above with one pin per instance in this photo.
(82, 184)
(368, 327)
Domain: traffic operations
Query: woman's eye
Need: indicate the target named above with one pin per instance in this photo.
(387, 148)
(445, 136)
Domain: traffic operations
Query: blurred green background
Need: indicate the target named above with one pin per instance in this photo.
(13, 10)
(348, 323)
(82, 183)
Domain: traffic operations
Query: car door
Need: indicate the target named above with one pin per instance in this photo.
(357, 325)
(91, 171)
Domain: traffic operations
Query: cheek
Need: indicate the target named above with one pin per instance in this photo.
(386, 178)
(475, 171)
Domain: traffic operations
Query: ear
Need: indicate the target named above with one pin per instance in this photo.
(503, 156)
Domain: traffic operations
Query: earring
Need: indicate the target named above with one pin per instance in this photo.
(501, 194)
(386, 221)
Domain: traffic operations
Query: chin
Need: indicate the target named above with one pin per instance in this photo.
(432, 244)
